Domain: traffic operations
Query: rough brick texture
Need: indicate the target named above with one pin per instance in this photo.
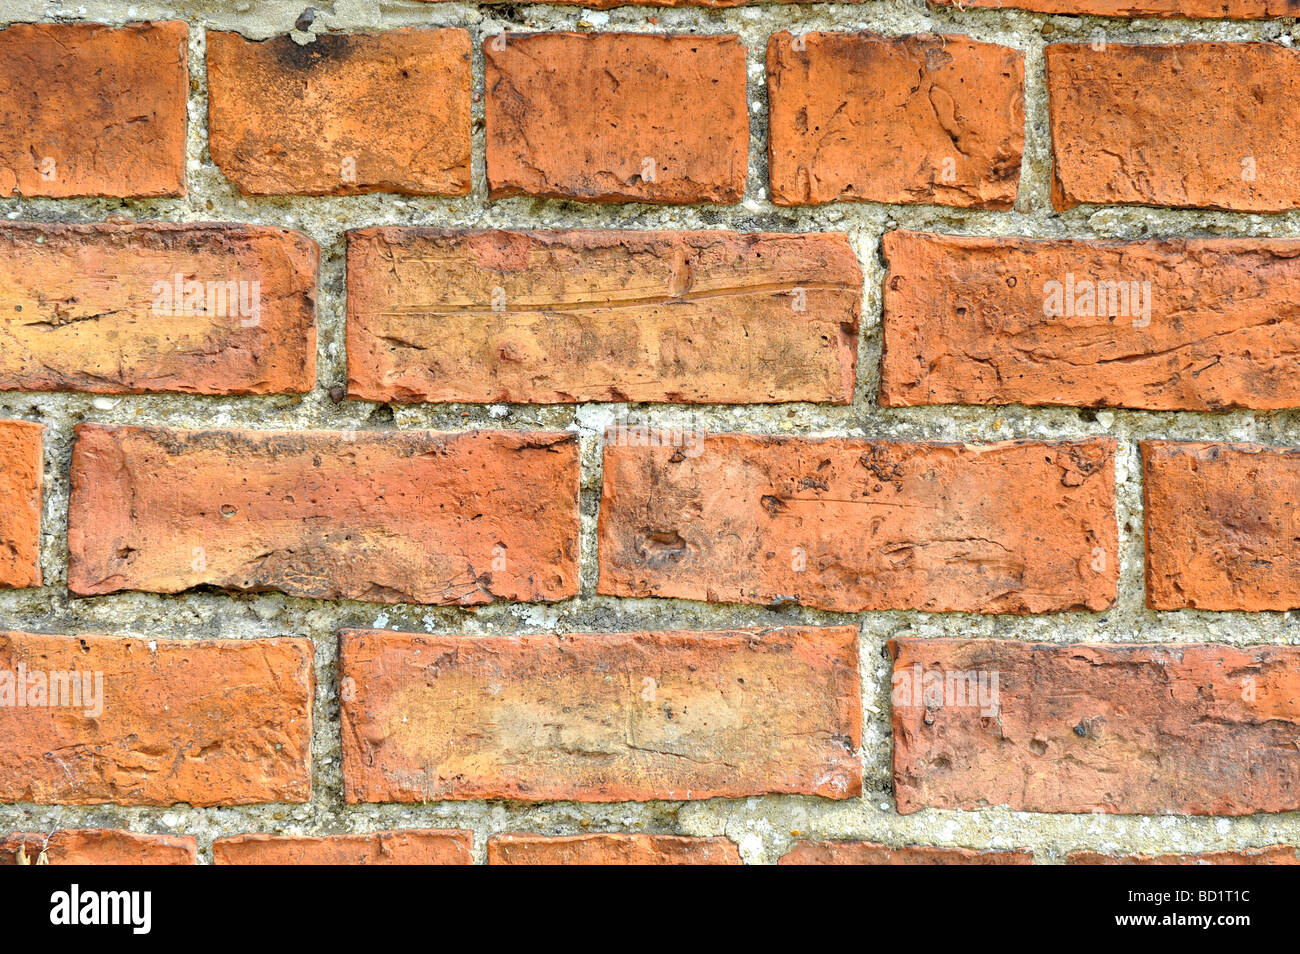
(93, 110)
(22, 465)
(611, 850)
(409, 847)
(1146, 125)
(119, 309)
(1194, 729)
(357, 112)
(1222, 526)
(1199, 324)
(852, 525)
(551, 317)
(1207, 9)
(613, 117)
(867, 853)
(932, 119)
(604, 717)
(154, 722)
(383, 516)
(1274, 855)
(98, 847)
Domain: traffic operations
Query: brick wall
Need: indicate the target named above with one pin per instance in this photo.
(852, 433)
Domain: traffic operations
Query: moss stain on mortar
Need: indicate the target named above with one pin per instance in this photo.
(764, 828)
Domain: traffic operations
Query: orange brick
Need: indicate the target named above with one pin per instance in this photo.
(1128, 729)
(617, 117)
(126, 309)
(928, 119)
(411, 847)
(851, 525)
(1206, 9)
(93, 110)
(611, 850)
(1273, 855)
(552, 317)
(346, 113)
(97, 846)
(383, 516)
(867, 853)
(605, 717)
(154, 722)
(22, 466)
(1160, 125)
(1222, 526)
(1182, 324)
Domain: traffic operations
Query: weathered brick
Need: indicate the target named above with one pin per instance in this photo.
(97, 846)
(1222, 526)
(1180, 324)
(383, 516)
(615, 849)
(411, 847)
(551, 317)
(852, 525)
(928, 119)
(22, 467)
(1160, 125)
(617, 117)
(93, 110)
(1273, 855)
(154, 722)
(1207, 9)
(1128, 729)
(346, 113)
(867, 853)
(124, 309)
(600, 717)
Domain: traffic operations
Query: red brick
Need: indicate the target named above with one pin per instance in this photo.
(383, 516)
(617, 117)
(1222, 526)
(563, 317)
(1199, 324)
(1273, 855)
(1126, 729)
(1199, 9)
(411, 847)
(851, 525)
(611, 850)
(22, 467)
(97, 846)
(605, 717)
(157, 722)
(103, 308)
(346, 113)
(867, 853)
(911, 119)
(93, 110)
(1191, 125)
